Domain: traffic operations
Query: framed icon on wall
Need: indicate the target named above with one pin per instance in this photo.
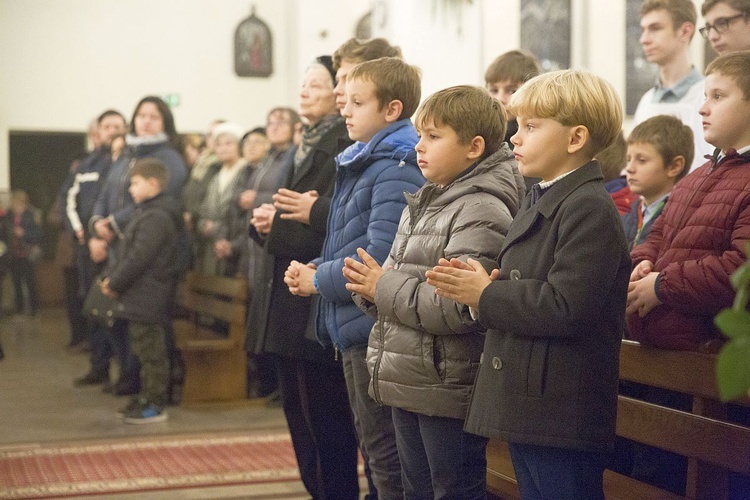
(253, 47)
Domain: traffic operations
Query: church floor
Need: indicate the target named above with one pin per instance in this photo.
(39, 404)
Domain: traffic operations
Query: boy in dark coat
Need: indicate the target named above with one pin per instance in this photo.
(143, 279)
(547, 381)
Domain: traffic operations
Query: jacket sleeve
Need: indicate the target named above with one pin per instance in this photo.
(703, 286)
(584, 270)
(149, 238)
(478, 232)
(292, 239)
(386, 205)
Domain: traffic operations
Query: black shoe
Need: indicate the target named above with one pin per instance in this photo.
(91, 378)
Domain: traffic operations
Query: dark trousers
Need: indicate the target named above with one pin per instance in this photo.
(546, 472)
(320, 422)
(374, 424)
(74, 307)
(438, 459)
(24, 283)
(129, 364)
(149, 344)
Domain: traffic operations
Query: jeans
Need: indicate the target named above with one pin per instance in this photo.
(545, 472)
(438, 459)
(377, 437)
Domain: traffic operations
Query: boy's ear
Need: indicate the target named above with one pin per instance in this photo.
(675, 167)
(477, 148)
(393, 110)
(686, 31)
(578, 139)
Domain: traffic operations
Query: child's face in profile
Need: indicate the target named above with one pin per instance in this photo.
(363, 113)
(726, 114)
(646, 173)
(539, 145)
(142, 189)
(440, 154)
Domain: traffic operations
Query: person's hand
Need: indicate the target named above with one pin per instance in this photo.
(363, 276)
(106, 290)
(81, 237)
(247, 198)
(299, 278)
(18, 232)
(223, 249)
(103, 231)
(98, 249)
(207, 228)
(463, 282)
(262, 219)
(297, 206)
(642, 295)
(641, 270)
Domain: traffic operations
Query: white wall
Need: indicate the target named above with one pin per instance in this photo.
(64, 61)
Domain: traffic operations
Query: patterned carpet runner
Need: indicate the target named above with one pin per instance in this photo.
(44, 471)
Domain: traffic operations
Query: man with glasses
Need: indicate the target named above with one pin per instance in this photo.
(667, 27)
(727, 25)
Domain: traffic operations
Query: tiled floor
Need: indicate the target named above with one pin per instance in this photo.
(38, 404)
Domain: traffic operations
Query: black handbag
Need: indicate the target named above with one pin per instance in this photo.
(101, 308)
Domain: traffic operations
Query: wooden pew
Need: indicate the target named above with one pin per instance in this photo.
(215, 365)
(714, 447)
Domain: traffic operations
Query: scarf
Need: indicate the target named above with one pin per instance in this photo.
(311, 136)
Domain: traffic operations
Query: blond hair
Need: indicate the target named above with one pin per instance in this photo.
(735, 66)
(394, 80)
(470, 111)
(669, 137)
(516, 66)
(572, 97)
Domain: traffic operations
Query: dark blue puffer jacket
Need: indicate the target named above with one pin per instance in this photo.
(365, 211)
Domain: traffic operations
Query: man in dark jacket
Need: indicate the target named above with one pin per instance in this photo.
(143, 278)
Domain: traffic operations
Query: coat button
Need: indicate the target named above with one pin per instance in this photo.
(497, 363)
(515, 274)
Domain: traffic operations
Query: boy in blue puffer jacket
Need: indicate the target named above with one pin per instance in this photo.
(372, 176)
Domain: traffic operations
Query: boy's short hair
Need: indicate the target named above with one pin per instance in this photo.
(517, 66)
(470, 111)
(681, 11)
(111, 112)
(572, 97)
(359, 51)
(151, 168)
(613, 158)
(669, 137)
(739, 5)
(394, 79)
(735, 66)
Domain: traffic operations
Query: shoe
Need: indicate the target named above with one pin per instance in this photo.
(132, 405)
(91, 378)
(145, 412)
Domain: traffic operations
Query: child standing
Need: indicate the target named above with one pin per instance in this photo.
(424, 350)
(681, 278)
(371, 178)
(143, 278)
(24, 245)
(547, 381)
(659, 149)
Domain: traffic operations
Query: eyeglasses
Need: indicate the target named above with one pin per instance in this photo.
(720, 25)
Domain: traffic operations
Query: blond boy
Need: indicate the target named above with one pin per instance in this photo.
(681, 278)
(659, 152)
(547, 381)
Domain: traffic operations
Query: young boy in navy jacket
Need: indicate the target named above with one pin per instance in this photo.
(371, 178)
(547, 382)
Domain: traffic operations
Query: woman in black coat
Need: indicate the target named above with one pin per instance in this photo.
(311, 381)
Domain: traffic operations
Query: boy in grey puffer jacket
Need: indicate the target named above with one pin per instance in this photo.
(424, 350)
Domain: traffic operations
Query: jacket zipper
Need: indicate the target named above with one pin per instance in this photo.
(376, 369)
